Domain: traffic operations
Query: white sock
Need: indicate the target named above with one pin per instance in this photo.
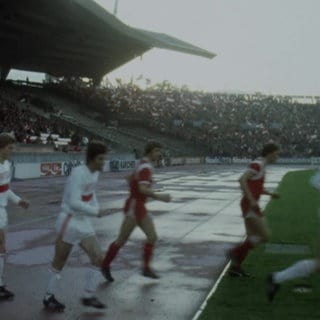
(53, 282)
(2, 258)
(300, 269)
(92, 282)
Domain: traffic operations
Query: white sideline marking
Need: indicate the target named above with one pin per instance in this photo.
(212, 291)
(215, 286)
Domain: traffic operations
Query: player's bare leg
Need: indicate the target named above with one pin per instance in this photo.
(62, 252)
(257, 232)
(4, 293)
(257, 227)
(300, 269)
(92, 248)
(140, 183)
(6, 194)
(252, 186)
(147, 226)
(79, 203)
(127, 226)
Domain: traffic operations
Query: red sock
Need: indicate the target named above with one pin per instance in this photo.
(240, 252)
(111, 254)
(147, 254)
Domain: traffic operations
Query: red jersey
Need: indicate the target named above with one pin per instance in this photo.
(255, 185)
(142, 174)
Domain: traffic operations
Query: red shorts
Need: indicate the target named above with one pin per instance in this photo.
(246, 208)
(4, 188)
(135, 208)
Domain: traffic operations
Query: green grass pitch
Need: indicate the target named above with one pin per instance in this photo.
(293, 219)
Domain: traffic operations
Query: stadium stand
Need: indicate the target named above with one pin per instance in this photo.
(85, 41)
(186, 122)
(71, 112)
(49, 104)
(19, 116)
(223, 124)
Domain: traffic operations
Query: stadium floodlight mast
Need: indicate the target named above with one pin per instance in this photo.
(115, 8)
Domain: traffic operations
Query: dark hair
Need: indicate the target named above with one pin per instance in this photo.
(6, 139)
(95, 148)
(150, 146)
(269, 148)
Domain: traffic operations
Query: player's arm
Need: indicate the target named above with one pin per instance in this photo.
(17, 200)
(144, 185)
(129, 178)
(94, 202)
(244, 186)
(76, 203)
(273, 195)
(146, 190)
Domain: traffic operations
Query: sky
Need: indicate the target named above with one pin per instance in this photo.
(262, 46)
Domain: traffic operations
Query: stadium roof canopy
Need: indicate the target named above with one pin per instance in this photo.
(73, 38)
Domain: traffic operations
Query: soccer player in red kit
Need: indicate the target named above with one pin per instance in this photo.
(252, 185)
(136, 213)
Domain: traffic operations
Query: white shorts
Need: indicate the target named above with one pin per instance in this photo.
(3, 218)
(74, 230)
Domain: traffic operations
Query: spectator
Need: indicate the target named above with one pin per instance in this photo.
(227, 124)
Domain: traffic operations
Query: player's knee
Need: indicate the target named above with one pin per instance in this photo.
(155, 238)
(152, 238)
(121, 241)
(264, 238)
(260, 235)
(255, 240)
(2, 247)
(97, 260)
(58, 264)
(59, 261)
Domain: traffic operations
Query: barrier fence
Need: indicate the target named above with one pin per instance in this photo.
(64, 168)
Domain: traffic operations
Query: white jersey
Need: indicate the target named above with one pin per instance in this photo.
(5, 179)
(79, 198)
(78, 205)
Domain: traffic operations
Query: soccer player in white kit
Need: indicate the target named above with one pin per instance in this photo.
(300, 269)
(74, 226)
(6, 147)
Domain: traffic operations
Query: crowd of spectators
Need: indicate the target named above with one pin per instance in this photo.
(228, 124)
(17, 118)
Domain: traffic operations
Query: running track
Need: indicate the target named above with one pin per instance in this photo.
(195, 230)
